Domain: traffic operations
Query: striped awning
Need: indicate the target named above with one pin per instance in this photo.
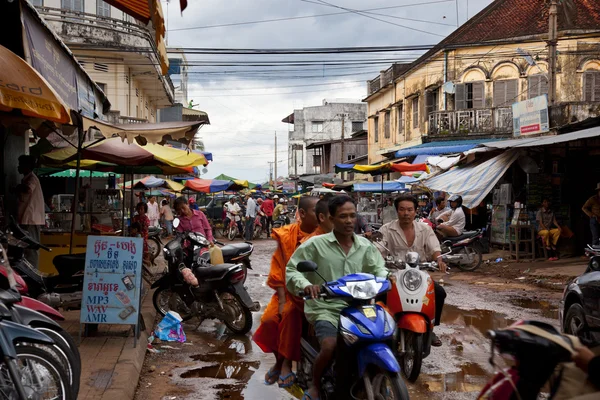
(473, 182)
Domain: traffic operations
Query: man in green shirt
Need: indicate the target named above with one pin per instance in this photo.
(338, 253)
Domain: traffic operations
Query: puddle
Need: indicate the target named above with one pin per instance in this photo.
(471, 378)
(230, 350)
(481, 320)
(545, 308)
(240, 370)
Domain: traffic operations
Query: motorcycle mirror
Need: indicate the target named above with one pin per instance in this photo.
(175, 222)
(307, 266)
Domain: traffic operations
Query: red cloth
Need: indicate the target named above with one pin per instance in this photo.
(268, 207)
(196, 223)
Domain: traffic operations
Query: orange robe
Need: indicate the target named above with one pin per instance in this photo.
(317, 232)
(281, 333)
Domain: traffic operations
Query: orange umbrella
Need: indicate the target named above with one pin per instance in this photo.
(22, 88)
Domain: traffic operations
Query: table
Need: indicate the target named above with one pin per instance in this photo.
(521, 235)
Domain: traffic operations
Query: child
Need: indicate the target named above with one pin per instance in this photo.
(144, 223)
(135, 229)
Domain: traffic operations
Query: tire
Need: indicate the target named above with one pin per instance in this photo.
(245, 266)
(67, 348)
(240, 322)
(154, 248)
(232, 233)
(412, 359)
(476, 253)
(385, 383)
(38, 358)
(575, 323)
(161, 300)
(257, 232)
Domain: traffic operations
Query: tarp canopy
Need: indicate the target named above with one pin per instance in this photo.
(149, 182)
(70, 173)
(391, 186)
(473, 182)
(437, 148)
(160, 133)
(381, 168)
(210, 185)
(239, 182)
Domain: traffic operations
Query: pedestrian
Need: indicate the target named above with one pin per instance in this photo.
(144, 223)
(234, 211)
(167, 215)
(439, 209)
(153, 211)
(361, 226)
(278, 210)
(592, 209)
(192, 220)
(192, 204)
(251, 210)
(267, 208)
(31, 215)
(546, 220)
(389, 212)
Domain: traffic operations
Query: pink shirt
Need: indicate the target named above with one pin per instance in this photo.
(197, 223)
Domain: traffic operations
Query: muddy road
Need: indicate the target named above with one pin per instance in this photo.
(215, 365)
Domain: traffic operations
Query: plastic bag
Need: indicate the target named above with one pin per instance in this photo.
(170, 328)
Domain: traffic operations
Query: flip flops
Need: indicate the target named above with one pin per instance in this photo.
(283, 379)
(308, 397)
(271, 374)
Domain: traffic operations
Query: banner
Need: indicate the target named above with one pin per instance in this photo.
(530, 117)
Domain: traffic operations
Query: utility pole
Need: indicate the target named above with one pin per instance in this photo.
(342, 161)
(552, 41)
(270, 171)
(275, 160)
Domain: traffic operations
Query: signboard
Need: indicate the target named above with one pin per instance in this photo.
(530, 116)
(113, 280)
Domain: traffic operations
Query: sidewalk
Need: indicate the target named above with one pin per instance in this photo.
(111, 366)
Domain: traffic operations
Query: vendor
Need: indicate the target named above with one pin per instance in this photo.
(31, 215)
(591, 208)
(192, 220)
(546, 221)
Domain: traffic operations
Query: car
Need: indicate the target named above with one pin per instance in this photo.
(214, 208)
(579, 309)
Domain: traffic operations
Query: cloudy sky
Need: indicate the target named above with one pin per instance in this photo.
(246, 103)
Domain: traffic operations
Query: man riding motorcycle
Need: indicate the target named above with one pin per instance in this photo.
(341, 252)
(404, 235)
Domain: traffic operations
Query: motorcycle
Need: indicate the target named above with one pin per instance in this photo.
(220, 294)
(412, 303)
(258, 226)
(463, 251)
(282, 220)
(155, 244)
(591, 251)
(365, 366)
(537, 349)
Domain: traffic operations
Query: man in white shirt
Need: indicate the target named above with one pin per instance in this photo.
(31, 215)
(233, 211)
(455, 218)
(153, 211)
(389, 213)
(251, 210)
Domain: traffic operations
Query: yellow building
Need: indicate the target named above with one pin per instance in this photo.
(463, 88)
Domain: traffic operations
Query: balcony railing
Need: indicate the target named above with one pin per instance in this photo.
(471, 122)
(132, 120)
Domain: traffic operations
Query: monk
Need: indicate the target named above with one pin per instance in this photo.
(322, 212)
(281, 324)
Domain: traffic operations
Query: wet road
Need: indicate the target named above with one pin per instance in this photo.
(215, 365)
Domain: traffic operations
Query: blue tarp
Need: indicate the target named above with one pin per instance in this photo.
(392, 186)
(437, 148)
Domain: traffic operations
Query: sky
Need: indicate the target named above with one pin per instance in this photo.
(246, 103)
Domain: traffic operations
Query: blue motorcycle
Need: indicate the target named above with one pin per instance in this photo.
(364, 366)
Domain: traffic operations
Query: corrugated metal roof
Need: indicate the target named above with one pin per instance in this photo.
(544, 140)
(436, 148)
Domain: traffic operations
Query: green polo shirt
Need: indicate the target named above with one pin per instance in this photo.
(333, 263)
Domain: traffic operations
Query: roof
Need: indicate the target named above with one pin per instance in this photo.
(289, 119)
(360, 133)
(544, 140)
(435, 148)
(317, 144)
(195, 115)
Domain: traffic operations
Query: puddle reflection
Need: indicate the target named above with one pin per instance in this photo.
(471, 378)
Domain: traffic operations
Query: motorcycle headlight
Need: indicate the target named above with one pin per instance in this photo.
(412, 280)
(362, 290)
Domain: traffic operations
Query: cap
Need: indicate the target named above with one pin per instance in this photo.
(275, 197)
(281, 200)
(191, 200)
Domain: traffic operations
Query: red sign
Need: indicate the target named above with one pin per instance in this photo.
(530, 128)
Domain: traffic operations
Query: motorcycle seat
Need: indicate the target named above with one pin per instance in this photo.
(465, 235)
(212, 272)
(235, 249)
(68, 264)
(153, 231)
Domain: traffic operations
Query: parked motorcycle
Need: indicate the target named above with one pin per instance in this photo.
(365, 366)
(155, 243)
(220, 294)
(463, 251)
(258, 226)
(591, 251)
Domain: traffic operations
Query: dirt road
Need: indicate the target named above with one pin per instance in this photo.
(215, 365)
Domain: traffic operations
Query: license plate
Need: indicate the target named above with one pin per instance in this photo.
(369, 312)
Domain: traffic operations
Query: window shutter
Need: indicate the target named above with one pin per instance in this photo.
(512, 93)
(415, 112)
(460, 98)
(478, 95)
(386, 122)
(376, 129)
(596, 96)
(400, 120)
(543, 85)
(499, 93)
(534, 84)
(588, 86)
(78, 5)
(429, 103)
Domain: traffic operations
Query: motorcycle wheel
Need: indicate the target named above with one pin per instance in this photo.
(240, 317)
(412, 359)
(245, 266)
(68, 355)
(474, 252)
(257, 232)
(232, 233)
(381, 384)
(153, 248)
(162, 299)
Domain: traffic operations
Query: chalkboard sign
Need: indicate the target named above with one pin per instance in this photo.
(113, 281)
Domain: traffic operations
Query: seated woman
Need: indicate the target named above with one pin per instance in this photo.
(455, 222)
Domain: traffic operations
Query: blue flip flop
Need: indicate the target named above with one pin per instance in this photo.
(308, 397)
(271, 374)
(283, 378)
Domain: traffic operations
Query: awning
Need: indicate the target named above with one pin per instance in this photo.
(24, 89)
(195, 115)
(392, 186)
(208, 185)
(381, 168)
(70, 173)
(150, 182)
(436, 148)
(153, 133)
(239, 182)
(473, 182)
(543, 140)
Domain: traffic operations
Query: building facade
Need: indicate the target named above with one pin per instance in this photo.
(465, 86)
(122, 55)
(321, 124)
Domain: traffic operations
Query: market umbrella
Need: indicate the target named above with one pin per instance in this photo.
(238, 182)
(150, 182)
(24, 89)
(70, 173)
(209, 185)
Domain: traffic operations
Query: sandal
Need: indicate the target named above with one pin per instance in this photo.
(281, 381)
(308, 397)
(271, 374)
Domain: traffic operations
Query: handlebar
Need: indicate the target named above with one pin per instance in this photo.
(304, 297)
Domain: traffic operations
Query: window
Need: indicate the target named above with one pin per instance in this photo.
(376, 128)
(317, 126)
(591, 86)
(357, 126)
(506, 92)
(102, 86)
(431, 100)
(415, 112)
(102, 8)
(469, 95)
(351, 157)
(386, 125)
(100, 67)
(73, 5)
(38, 3)
(400, 111)
(537, 85)
(317, 157)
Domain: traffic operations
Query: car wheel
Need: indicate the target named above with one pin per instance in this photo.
(575, 323)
